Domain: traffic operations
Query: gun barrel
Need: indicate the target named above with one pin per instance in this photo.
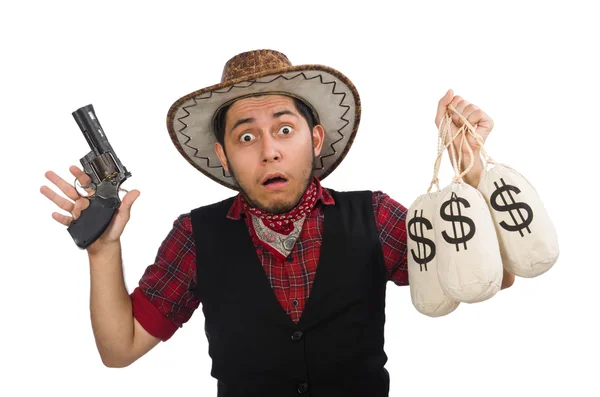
(102, 160)
(92, 130)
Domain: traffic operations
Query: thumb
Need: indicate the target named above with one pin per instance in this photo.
(442, 105)
(129, 199)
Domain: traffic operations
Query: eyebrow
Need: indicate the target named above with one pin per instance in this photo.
(281, 113)
(242, 121)
(252, 119)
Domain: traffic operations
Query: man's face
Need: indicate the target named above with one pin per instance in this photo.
(270, 151)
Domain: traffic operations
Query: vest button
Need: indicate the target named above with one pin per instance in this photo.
(297, 335)
(302, 387)
(295, 302)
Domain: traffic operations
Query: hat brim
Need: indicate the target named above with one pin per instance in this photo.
(331, 95)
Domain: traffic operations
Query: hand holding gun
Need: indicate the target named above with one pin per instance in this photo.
(103, 173)
(107, 174)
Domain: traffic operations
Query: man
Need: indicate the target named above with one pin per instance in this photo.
(291, 275)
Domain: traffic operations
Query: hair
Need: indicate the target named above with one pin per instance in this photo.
(219, 124)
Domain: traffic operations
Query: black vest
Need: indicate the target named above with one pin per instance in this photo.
(336, 349)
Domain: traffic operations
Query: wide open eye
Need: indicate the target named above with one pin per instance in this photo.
(247, 137)
(286, 130)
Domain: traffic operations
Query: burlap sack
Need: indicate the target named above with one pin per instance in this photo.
(425, 291)
(527, 237)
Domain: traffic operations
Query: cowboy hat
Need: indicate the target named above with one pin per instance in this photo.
(331, 96)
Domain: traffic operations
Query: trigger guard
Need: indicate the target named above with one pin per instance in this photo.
(85, 187)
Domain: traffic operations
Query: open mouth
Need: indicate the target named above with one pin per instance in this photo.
(274, 181)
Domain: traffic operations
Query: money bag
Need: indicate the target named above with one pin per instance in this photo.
(469, 262)
(468, 255)
(527, 237)
(425, 291)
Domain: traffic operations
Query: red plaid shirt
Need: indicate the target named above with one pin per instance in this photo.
(164, 299)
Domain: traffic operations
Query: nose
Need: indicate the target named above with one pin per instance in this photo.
(270, 149)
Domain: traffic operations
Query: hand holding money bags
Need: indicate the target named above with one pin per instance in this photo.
(461, 238)
(453, 253)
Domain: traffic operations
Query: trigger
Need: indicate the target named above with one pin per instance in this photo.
(92, 186)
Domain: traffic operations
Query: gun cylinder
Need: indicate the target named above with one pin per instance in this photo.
(104, 165)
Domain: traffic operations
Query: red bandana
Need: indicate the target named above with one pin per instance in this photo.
(284, 223)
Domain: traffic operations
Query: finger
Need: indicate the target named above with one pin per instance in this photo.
(470, 113)
(63, 219)
(442, 106)
(456, 100)
(459, 104)
(129, 199)
(57, 199)
(80, 206)
(481, 119)
(65, 187)
(83, 178)
(124, 212)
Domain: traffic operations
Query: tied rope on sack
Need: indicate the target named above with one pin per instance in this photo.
(469, 263)
(526, 234)
(427, 294)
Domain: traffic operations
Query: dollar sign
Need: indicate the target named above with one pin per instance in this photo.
(420, 240)
(463, 238)
(525, 222)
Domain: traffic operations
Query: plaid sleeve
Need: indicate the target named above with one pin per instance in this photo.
(164, 299)
(390, 217)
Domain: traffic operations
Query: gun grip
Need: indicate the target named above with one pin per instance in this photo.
(93, 221)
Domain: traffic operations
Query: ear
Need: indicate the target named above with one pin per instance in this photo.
(221, 155)
(318, 133)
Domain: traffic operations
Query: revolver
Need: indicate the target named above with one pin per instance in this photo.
(106, 173)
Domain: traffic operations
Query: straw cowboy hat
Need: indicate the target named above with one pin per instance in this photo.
(330, 95)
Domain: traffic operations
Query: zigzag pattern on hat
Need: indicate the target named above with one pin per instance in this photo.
(250, 83)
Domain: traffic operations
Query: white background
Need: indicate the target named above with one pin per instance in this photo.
(532, 67)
